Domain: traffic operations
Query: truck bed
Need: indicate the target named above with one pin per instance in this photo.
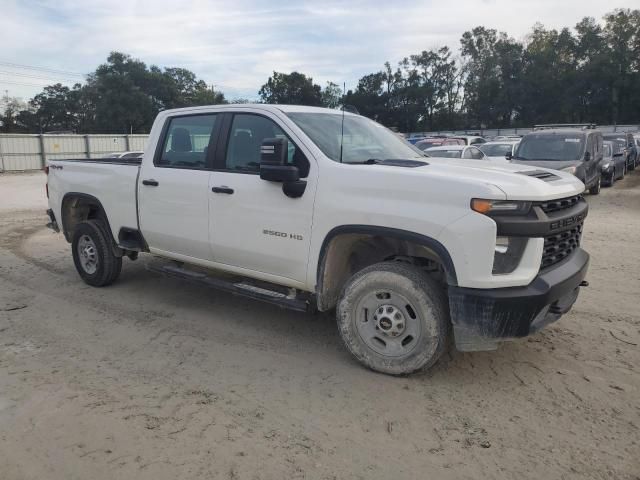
(111, 180)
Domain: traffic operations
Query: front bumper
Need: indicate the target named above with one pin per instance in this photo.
(483, 317)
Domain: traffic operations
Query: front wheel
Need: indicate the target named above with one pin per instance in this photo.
(394, 318)
(595, 190)
(609, 180)
(93, 254)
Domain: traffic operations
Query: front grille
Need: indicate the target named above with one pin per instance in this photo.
(560, 245)
(559, 204)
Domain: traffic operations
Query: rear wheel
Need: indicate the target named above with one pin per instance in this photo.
(93, 254)
(394, 318)
(595, 190)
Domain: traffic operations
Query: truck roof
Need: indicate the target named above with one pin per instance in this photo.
(261, 106)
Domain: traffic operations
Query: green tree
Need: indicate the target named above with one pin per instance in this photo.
(291, 88)
(331, 95)
(622, 34)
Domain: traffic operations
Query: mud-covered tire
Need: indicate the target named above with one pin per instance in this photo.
(106, 268)
(397, 285)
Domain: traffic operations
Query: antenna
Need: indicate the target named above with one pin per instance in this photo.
(344, 89)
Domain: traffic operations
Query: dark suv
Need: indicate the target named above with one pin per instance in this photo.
(627, 145)
(574, 150)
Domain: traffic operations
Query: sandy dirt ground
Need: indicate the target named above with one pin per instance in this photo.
(155, 379)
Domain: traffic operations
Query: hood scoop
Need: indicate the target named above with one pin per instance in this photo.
(541, 175)
(397, 162)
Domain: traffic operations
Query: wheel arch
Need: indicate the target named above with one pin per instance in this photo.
(347, 249)
(78, 207)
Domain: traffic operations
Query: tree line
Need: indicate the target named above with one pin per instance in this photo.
(589, 73)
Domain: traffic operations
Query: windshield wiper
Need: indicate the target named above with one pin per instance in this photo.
(369, 161)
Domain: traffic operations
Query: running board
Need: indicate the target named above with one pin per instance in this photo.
(239, 286)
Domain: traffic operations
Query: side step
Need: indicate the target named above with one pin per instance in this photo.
(300, 302)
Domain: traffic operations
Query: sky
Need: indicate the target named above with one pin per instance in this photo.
(235, 45)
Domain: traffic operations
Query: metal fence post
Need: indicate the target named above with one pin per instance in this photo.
(127, 143)
(87, 147)
(43, 154)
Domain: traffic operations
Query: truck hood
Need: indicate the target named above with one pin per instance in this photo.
(518, 182)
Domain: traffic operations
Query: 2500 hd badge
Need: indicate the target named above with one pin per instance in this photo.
(293, 236)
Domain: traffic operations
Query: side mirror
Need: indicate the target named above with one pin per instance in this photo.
(587, 156)
(273, 161)
(274, 167)
(508, 155)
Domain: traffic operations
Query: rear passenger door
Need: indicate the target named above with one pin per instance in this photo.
(173, 191)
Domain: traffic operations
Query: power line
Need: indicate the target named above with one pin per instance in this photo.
(43, 69)
(18, 74)
(9, 82)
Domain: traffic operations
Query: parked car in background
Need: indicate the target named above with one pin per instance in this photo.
(628, 146)
(124, 155)
(573, 150)
(515, 138)
(498, 150)
(471, 139)
(614, 165)
(438, 142)
(413, 139)
(456, 151)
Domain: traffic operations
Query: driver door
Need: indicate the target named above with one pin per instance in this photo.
(253, 224)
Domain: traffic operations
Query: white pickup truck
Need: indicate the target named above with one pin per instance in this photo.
(311, 208)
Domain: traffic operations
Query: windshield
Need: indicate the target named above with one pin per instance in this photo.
(496, 149)
(551, 147)
(363, 140)
(445, 153)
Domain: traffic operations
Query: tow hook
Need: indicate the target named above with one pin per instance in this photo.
(584, 283)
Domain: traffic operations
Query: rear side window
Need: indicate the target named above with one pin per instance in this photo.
(187, 141)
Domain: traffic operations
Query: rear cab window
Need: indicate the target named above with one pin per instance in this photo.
(186, 142)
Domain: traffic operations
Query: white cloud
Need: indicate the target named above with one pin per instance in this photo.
(237, 45)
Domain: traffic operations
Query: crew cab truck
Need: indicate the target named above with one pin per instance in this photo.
(310, 208)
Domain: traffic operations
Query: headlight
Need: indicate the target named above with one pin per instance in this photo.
(507, 254)
(606, 166)
(570, 170)
(500, 207)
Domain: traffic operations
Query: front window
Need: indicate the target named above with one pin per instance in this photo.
(363, 140)
(551, 147)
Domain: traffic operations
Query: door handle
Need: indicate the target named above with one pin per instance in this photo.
(223, 189)
(151, 182)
